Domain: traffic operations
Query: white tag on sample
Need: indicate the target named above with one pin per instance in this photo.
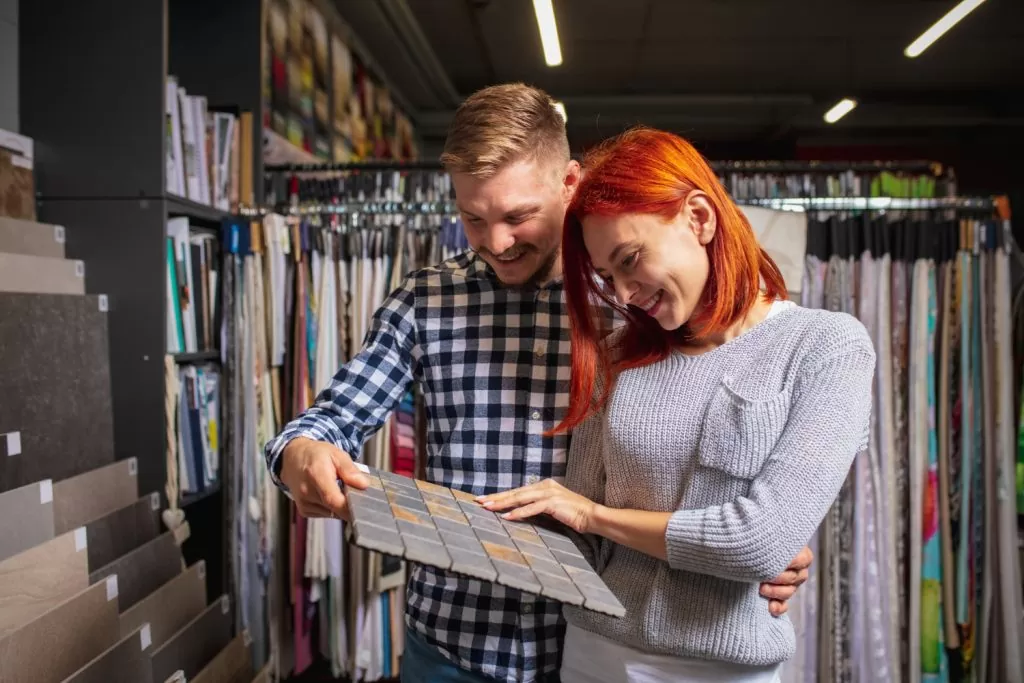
(133, 467)
(154, 501)
(45, 491)
(246, 638)
(79, 269)
(111, 587)
(14, 443)
(202, 569)
(80, 540)
(225, 604)
(103, 303)
(145, 637)
(58, 234)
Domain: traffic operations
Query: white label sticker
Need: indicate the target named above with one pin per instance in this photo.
(133, 467)
(362, 468)
(80, 541)
(154, 501)
(225, 604)
(21, 162)
(58, 234)
(202, 569)
(14, 443)
(246, 638)
(45, 491)
(145, 637)
(104, 305)
(111, 587)
(79, 269)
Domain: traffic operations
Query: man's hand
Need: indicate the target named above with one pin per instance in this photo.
(783, 587)
(311, 470)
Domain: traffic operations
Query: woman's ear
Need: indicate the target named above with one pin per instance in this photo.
(701, 216)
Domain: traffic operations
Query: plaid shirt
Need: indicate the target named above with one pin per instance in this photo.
(493, 366)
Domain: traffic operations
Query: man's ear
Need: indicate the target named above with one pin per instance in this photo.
(571, 179)
(701, 216)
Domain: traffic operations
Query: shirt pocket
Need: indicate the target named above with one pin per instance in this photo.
(739, 433)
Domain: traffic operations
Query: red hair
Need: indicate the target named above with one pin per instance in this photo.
(651, 172)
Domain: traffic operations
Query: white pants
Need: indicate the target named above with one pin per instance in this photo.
(590, 658)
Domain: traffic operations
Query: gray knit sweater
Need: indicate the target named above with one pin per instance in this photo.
(749, 444)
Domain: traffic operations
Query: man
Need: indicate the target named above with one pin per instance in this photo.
(486, 337)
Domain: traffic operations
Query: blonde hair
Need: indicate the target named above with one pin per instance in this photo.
(501, 124)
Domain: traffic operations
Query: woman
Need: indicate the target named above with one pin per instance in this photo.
(724, 424)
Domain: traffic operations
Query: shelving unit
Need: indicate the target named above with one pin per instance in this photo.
(101, 167)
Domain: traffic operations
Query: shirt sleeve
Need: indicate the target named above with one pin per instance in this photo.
(755, 537)
(365, 390)
(585, 475)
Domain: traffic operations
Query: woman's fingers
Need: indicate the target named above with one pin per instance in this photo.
(526, 511)
(513, 498)
(777, 608)
(773, 592)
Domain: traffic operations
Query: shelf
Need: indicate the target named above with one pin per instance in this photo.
(190, 498)
(200, 357)
(179, 206)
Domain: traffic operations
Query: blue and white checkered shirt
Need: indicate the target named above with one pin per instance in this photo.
(493, 365)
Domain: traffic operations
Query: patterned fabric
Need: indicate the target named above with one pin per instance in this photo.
(493, 366)
(900, 360)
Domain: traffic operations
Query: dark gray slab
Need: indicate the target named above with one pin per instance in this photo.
(196, 644)
(170, 607)
(426, 552)
(454, 540)
(472, 564)
(143, 570)
(54, 360)
(28, 237)
(80, 499)
(126, 662)
(122, 531)
(26, 518)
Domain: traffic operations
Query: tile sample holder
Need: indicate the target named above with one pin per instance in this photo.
(196, 643)
(26, 518)
(169, 607)
(125, 662)
(117, 533)
(89, 495)
(144, 569)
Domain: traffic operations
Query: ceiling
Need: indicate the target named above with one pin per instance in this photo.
(743, 77)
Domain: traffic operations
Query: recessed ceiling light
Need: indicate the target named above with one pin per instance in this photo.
(841, 109)
(937, 29)
(548, 31)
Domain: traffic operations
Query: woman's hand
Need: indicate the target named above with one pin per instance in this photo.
(544, 498)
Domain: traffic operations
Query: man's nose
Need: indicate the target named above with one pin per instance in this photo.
(499, 239)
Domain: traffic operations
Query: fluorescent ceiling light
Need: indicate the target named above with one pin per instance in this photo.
(560, 108)
(548, 31)
(947, 22)
(841, 109)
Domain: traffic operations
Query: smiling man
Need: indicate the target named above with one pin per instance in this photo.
(485, 336)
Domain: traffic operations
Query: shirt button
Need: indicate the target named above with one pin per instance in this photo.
(539, 352)
(532, 479)
(527, 609)
(535, 415)
(543, 296)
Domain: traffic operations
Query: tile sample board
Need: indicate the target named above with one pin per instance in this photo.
(195, 644)
(26, 518)
(233, 664)
(55, 361)
(125, 662)
(119, 532)
(81, 499)
(444, 528)
(41, 275)
(39, 579)
(33, 239)
(143, 570)
(170, 606)
(68, 636)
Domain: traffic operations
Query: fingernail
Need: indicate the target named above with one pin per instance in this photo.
(507, 515)
(487, 504)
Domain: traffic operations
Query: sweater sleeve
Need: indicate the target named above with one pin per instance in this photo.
(755, 537)
(586, 476)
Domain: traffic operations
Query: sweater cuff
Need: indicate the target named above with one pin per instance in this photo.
(684, 542)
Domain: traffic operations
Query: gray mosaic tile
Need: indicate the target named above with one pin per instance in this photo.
(471, 564)
(538, 552)
(543, 566)
(412, 516)
(584, 577)
(407, 502)
(487, 524)
(428, 533)
(452, 539)
(447, 513)
(559, 589)
(601, 600)
(525, 536)
(561, 543)
(363, 513)
(430, 498)
(516, 576)
(491, 537)
(472, 509)
(425, 552)
(571, 559)
(463, 496)
(360, 500)
(428, 487)
(376, 494)
(377, 538)
(457, 527)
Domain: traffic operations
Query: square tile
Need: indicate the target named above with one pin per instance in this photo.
(431, 499)
(571, 559)
(447, 513)
(462, 541)
(472, 509)
(526, 536)
(506, 554)
(549, 528)
(538, 552)
(407, 502)
(398, 489)
(428, 487)
(545, 567)
(362, 500)
(410, 529)
(584, 577)
(392, 478)
(463, 496)
(559, 589)
(362, 513)
(561, 543)
(471, 564)
(374, 494)
(601, 600)
(497, 539)
(375, 482)
(486, 524)
(411, 516)
(377, 538)
(457, 527)
(425, 552)
(516, 576)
